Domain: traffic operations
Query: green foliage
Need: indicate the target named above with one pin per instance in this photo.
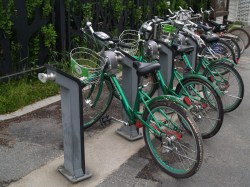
(47, 8)
(49, 35)
(34, 44)
(162, 7)
(28, 89)
(5, 23)
(174, 4)
(30, 7)
(118, 7)
(138, 14)
(87, 12)
(47, 32)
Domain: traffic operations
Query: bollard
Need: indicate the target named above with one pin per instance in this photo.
(72, 120)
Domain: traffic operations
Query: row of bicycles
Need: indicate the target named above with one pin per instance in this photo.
(191, 103)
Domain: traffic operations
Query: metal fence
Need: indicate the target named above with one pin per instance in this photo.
(67, 20)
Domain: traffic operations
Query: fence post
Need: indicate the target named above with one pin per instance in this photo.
(60, 25)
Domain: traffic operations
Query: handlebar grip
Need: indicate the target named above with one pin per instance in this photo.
(120, 44)
(115, 40)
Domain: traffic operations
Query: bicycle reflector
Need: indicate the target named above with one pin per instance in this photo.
(187, 101)
(211, 78)
(138, 124)
(237, 61)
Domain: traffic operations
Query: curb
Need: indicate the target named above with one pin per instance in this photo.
(30, 108)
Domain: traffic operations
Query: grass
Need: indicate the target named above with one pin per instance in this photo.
(19, 93)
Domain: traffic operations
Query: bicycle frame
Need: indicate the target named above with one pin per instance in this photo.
(134, 114)
(169, 89)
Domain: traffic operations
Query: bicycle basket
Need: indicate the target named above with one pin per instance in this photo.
(86, 65)
(168, 29)
(130, 38)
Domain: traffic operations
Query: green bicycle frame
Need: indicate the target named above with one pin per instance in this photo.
(134, 113)
(197, 74)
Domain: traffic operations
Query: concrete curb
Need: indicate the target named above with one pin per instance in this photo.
(30, 108)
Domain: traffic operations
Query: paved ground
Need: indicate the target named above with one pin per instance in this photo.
(35, 140)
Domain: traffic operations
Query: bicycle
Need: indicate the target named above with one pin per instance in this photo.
(170, 135)
(218, 69)
(207, 108)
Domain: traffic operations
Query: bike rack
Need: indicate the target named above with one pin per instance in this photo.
(192, 57)
(72, 120)
(129, 86)
(166, 60)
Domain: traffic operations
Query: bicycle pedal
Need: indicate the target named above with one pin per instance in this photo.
(106, 119)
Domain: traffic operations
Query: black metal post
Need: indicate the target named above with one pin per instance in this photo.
(60, 25)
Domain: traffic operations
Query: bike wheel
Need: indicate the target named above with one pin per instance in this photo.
(207, 108)
(228, 79)
(242, 34)
(221, 49)
(178, 152)
(150, 84)
(234, 45)
(96, 100)
(241, 44)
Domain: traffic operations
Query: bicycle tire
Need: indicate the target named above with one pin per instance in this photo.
(93, 112)
(232, 98)
(241, 44)
(243, 34)
(151, 83)
(226, 52)
(203, 106)
(235, 46)
(168, 154)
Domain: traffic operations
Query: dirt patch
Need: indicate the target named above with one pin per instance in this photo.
(44, 126)
(6, 142)
(147, 171)
(32, 127)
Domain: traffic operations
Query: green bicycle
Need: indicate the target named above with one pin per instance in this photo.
(207, 108)
(170, 134)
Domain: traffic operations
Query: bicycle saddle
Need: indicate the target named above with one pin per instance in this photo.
(183, 48)
(214, 23)
(145, 68)
(217, 26)
(205, 28)
(210, 39)
(101, 36)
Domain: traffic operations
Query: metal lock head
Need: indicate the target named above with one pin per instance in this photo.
(180, 39)
(111, 61)
(151, 49)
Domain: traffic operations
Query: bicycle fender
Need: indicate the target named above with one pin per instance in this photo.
(205, 79)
